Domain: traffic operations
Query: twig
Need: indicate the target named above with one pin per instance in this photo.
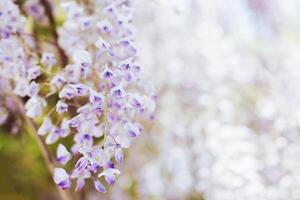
(81, 195)
(50, 16)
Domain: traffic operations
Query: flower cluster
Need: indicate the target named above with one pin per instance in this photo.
(14, 62)
(98, 99)
(11, 20)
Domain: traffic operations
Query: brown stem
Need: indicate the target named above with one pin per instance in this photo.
(81, 195)
(50, 16)
(48, 158)
(31, 129)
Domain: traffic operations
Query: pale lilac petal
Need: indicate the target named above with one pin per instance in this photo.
(64, 128)
(61, 178)
(21, 87)
(34, 107)
(137, 101)
(105, 26)
(82, 163)
(68, 92)
(72, 73)
(110, 179)
(52, 138)
(99, 156)
(99, 186)
(33, 72)
(133, 129)
(123, 140)
(119, 155)
(107, 74)
(58, 81)
(61, 107)
(96, 98)
(80, 184)
(46, 127)
(109, 171)
(82, 174)
(118, 92)
(76, 121)
(85, 23)
(102, 44)
(81, 89)
(33, 89)
(48, 59)
(82, 58)
(63, 155)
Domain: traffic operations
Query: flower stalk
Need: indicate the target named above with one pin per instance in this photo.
(49, 13)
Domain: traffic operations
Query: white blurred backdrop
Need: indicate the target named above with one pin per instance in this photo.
(227, 126)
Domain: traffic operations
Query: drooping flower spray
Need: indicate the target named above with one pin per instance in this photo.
(88, 86)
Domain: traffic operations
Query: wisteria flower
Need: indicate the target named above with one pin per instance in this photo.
(61, 178)
(83, 84)
(63, 156)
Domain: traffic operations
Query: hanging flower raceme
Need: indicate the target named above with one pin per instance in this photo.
(18, 66)
(98, 100)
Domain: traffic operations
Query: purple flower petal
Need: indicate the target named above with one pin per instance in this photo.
(119, 155)
(61, 178)
(46, 127)
(61, 107)
(80, 184)
(110, 179)
(99, 186)
(63, 156)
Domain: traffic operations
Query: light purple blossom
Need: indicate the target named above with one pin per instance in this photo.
(46, 126)
(82, 163)
(76, 120)
(61, 178)
(58, 132)
(105, 26)
(68, 92)
(21, 87)
(72, 73)
(137, 101)
(98, 96)
(85, 23)
(80, 175)
(83, 59)
(109, 175)
(53, 136)
(133, 129)
(119, 155)
(62, 154)
(11, 19)
(33, 89)
(102, 44)
(33, 72)
(118, 92)
(99, 186)
(34, 107)
(48, 59)
(35, 9)
(107, 74)
(58, 81)
(81, 89)
(61, 107)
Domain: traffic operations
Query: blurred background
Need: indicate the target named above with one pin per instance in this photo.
(227, 125)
